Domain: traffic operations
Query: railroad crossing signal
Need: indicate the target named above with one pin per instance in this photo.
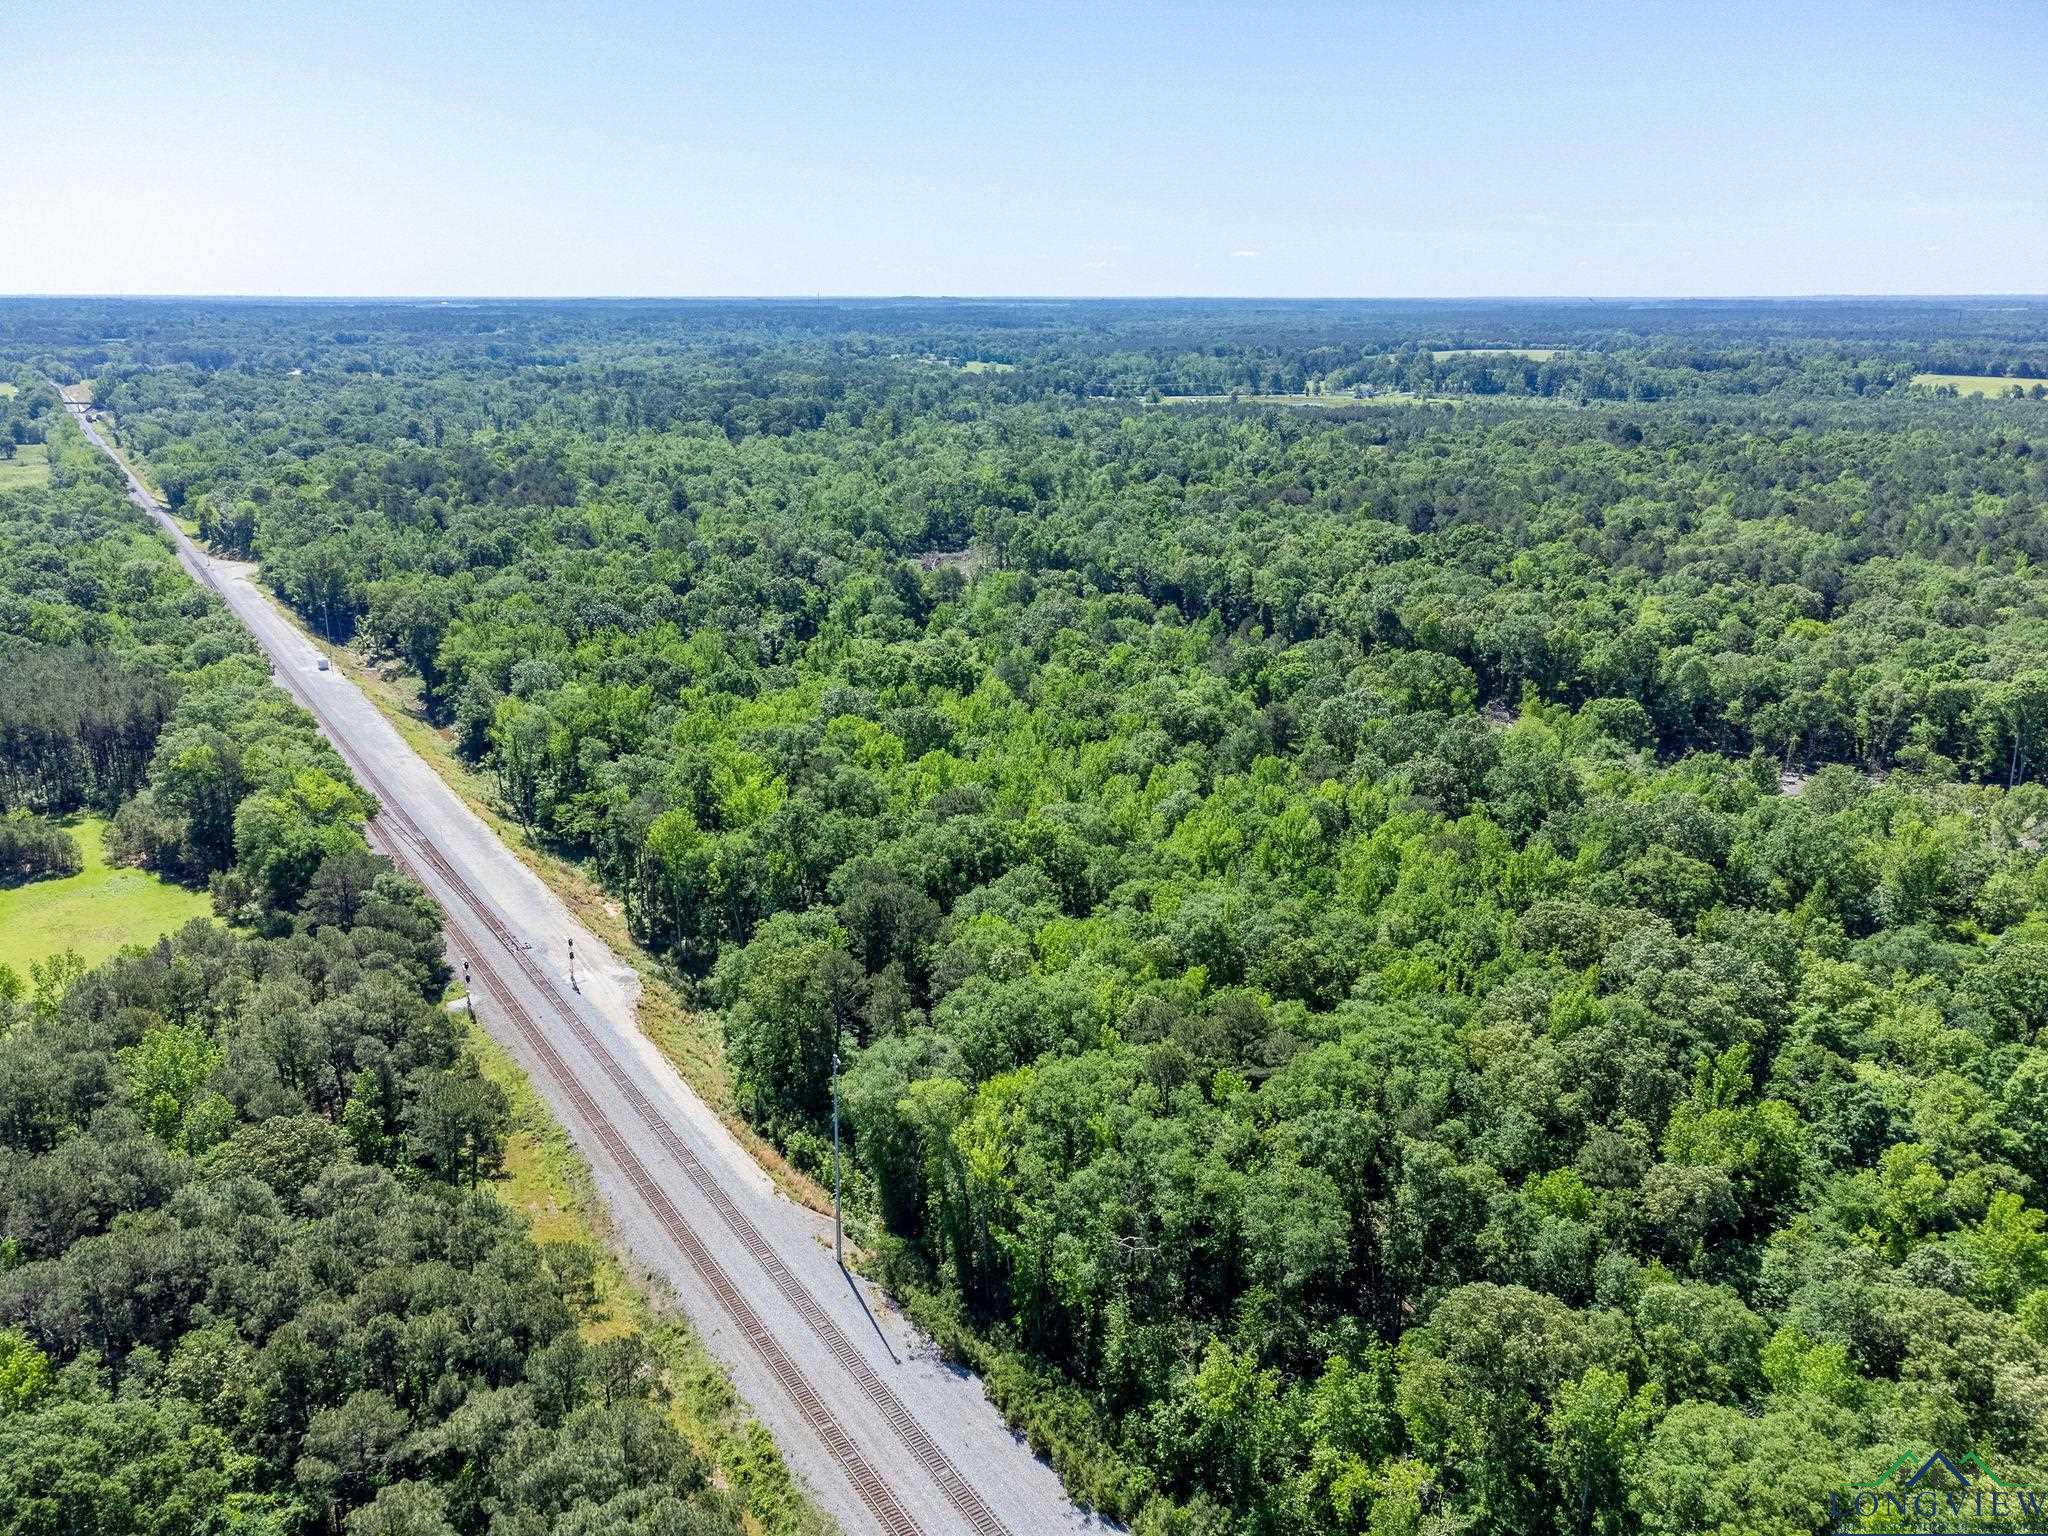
(838, 1227)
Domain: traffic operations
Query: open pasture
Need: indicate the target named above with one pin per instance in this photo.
(1994, 385)
(99, 910)
(28, 466)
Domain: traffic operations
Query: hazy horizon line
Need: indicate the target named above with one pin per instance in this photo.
(1029, 298)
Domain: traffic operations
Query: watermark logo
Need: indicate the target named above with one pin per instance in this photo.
(1938, 1495)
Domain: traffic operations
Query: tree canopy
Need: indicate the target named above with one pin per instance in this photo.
(1424, 938)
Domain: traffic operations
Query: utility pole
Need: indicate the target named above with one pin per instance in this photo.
(838, 1227)
(468, 997)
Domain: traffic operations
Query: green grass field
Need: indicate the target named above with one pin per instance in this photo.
(30, 466)
(95, 912)
(1975, 383)
(1534, 354)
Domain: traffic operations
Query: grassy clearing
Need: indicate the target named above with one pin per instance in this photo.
(1533, 354)
(972, 365)
(1991, 384)
(28, 468)
(544, 1179)
(94, 913)
(6, 389)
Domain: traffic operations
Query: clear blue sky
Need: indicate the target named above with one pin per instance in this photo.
(1114, 147)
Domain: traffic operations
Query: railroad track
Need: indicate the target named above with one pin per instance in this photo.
(935, 1463)
(412, 847)
(867, 1484)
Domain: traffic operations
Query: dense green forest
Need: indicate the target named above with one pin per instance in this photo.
(248, 1279)
(1464, 954)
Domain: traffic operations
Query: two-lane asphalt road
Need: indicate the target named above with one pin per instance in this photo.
(886, 1437)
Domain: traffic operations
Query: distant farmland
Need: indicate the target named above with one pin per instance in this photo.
(1533, 354)
(1332, 400)
(1977, 383)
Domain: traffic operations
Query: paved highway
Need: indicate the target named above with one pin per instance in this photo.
(885, 1436)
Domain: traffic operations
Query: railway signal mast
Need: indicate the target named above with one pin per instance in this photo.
(838, 1228)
